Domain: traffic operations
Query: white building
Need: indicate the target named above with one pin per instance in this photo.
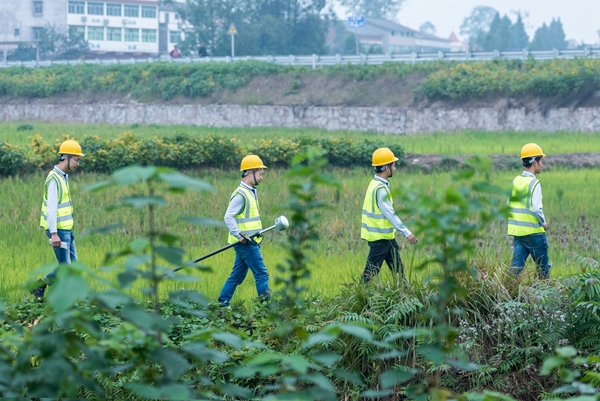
(22, 20)
(119, 28)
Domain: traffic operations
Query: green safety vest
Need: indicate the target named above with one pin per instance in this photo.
(521, 220)
(64, 215)
(248, 220)
(374, 225)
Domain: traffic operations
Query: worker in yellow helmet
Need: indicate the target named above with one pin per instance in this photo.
(243, 220)
(379, 220)
(57, 210)
(526, 222)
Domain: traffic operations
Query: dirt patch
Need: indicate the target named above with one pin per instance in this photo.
(433, 162)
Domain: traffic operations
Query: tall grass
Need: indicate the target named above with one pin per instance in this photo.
(452, 144)
(569, 203)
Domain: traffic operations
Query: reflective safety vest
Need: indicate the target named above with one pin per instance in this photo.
(521, 220)
(374, 225)
(248, 220)
(64, 215)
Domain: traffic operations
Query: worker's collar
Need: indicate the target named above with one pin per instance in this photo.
(378, 178)
(59, 171)
(243, 184)
(528, 174)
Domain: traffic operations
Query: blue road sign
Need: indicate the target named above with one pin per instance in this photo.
(357, 21)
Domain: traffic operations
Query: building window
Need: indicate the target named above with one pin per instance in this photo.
(132, 11)
(113, 34)
(76, 31)
(174, 37)
(113, 9)
(132, 35)
(37, 33)
(95, 33)
(76, 7)
(38, 8)
(148, 12)
(149, 35)
(17, 31)
(95, 8)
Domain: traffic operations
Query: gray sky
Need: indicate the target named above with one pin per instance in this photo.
(580, 18)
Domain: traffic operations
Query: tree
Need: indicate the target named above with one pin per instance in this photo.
(374, 8)
(428, 28)
(265, 26)
(541, 40)
(520, 37)
(549, 37)
(477, 25)
(500, 35)
(557, 35)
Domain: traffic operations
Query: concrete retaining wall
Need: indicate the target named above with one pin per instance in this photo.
(388, 120)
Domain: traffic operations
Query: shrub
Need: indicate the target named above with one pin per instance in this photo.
(184, 151)
(12, 159)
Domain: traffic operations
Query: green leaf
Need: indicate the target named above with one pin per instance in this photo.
(297, 363)
(144, 390)
(230, 339)
(139, 201)
(112, 298)
(566, 352)
(265, 358)
(66, 291)
(174, 363)
(351, 377)
(357, 331)
(181, 181)
(234, 391)
(139, 244)
(325, 358)
(432, 352)
(319, 338)
(550, 364)
(394, 377)
(126, 278)
(98, 186)
(204, 354)
(132, 174)
(170, 254)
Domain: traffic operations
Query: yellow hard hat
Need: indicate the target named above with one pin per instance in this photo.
(251, 162)
(70, 147)
(531, 150)
(383, 156)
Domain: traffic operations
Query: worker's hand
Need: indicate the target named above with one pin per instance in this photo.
(242, 239)
(412, 239)
(55, 240)
(547, 225)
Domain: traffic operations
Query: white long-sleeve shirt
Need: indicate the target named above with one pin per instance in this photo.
(52, 201)
(236, 206)
(388, 211)
(536, 200)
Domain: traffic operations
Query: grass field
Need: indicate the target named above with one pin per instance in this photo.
(452, 144)
(570, 202)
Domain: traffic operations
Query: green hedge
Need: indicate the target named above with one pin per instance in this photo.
(552, 78)
(163, 80)
(187, 152)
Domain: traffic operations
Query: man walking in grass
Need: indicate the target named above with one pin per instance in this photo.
(57, 211)
(243, 220)
(526, 222)
(379, 220)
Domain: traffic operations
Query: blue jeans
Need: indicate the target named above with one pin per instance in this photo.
(535, 245)
(63, 255)
(247, 256)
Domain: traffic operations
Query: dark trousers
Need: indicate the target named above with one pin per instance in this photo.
(535, 245)
(381, 250)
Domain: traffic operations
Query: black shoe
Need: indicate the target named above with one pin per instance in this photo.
(38, 292)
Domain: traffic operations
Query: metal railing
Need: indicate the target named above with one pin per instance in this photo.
(315, 61)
